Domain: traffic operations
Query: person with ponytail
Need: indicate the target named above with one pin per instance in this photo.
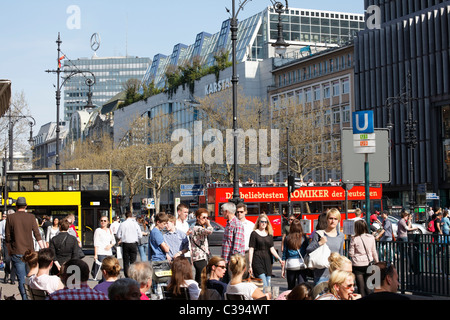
(212, 275)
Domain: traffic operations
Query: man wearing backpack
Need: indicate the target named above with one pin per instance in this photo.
(431, 223)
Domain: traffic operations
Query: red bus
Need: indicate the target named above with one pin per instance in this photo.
(307, 202)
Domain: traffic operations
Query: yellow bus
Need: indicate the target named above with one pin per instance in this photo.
(87, 194)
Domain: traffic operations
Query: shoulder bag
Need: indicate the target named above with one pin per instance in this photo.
(318, 259)
(371, 262)
(295, 263)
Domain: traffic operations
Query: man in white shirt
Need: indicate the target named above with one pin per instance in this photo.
(241, 211)
(129, 234)
(182, 224)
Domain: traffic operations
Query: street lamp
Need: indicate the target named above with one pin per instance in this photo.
(89, 82)
(11, 124)
(279, 45)
(410, 132)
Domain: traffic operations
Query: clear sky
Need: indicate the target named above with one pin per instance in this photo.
(29, 29)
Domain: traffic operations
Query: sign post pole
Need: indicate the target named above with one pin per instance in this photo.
(364, 142)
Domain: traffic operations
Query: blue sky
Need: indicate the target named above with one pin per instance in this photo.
(29, 30)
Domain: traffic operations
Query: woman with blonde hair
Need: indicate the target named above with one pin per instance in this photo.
(337, 262)
(248, 290)
(332, 237)
(211, 277)
(111, 270)
(340, 286)
(261, 249)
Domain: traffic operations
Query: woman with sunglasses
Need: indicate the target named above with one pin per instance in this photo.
(212, 275)
(103, 240)
(261, 249)
(199, 241)
(340, 286)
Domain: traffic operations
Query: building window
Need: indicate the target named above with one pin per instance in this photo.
(326, 92)
(345, 86)
(346, 118)
(308, 95)
(336, 91)
(336, 116)
(316, 93)
(327, 117)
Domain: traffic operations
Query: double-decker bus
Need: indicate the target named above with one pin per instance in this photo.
(307, 202)
(87, 194)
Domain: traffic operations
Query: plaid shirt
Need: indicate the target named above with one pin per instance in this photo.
(83, 293)
(233, 239)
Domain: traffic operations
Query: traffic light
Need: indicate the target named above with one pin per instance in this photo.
(148, 172)
(293, 184)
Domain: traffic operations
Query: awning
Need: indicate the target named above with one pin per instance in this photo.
(5, 96)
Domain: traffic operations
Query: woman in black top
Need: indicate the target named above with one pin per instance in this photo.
(65, 246)
(261, 249)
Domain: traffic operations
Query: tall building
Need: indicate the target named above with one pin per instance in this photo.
(316, 29)
(111, 73)
(400, 65)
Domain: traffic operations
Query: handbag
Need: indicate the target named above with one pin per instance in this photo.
(295, 263)
(371, 262)
(318, 259)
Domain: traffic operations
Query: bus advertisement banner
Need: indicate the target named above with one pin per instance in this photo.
(279, 194)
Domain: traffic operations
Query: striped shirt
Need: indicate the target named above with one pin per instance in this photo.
(233, 239)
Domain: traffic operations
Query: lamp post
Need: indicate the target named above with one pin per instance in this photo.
(12, 120)
(280, 44)
(410, 132)
(89, 82)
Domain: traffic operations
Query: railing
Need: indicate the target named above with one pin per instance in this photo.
(422, 263)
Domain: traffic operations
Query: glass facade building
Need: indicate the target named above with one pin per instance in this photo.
(301, 27)
(110, 76)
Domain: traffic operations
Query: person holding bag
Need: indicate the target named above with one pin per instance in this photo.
(199, 242)
(363, 253)
(330, 239)
(293, 266)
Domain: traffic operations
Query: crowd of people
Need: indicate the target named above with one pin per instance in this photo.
(176, 261)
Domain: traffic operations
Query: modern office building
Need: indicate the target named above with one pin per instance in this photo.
(313, 29)
(402, 68)
(111, 73)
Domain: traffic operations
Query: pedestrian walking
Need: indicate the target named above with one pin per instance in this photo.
(294, 248)
(183, 225)
(19, 231)
(52, 230)
(104, 240)
(143, 242)
(233, 241)
(199, 242)
(363, 253)
(129, 234)
(10, 271)
(261, 250)
(65, 247)
(332, 237)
